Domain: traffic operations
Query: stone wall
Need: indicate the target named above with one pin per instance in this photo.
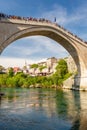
(71, 65)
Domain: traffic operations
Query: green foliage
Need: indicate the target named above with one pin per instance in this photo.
(1, 68)
(10, 82)
(55, 79)
(61, 68)
(10, 72)
(61, 73)
(41, 68)
(3, 79)
(66, 76)
(34, 66)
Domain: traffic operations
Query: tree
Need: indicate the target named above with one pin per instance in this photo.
(61, 71)
(34, 66)
(1, 68)
(41, 67)
(10, 72)
(61, 68)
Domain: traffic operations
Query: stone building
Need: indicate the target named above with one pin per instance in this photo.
(51, 64)
(71, 64)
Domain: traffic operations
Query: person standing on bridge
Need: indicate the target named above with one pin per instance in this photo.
(55, 19)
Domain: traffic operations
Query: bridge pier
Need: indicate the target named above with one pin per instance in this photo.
(76, 83)
(80, 83)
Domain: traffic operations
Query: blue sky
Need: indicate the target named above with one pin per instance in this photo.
(71, 14)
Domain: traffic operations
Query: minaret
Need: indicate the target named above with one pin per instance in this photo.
(25, 63)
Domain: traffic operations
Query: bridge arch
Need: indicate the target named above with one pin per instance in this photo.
(50, 33)
(72, 45)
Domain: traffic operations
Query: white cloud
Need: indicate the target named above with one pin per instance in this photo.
(64, 17)
(75, 21)
(32, 45)
(17, 62)
(59, 12)
(32, 49)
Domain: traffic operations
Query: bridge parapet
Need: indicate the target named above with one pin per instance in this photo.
(44, 23)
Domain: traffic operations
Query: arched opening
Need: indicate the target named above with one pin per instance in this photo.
(34, 48)
(51, 33)
(32, 42)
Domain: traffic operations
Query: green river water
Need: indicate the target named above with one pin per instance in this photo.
(43, 109)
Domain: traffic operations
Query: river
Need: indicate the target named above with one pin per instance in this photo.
(43, 109)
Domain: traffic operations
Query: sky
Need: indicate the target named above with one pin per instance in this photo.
(71, 14)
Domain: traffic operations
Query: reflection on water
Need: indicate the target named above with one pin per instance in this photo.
(45, 109)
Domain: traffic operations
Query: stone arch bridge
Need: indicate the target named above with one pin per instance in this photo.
(13, 29)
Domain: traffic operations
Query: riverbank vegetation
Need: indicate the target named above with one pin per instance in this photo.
(27, 81)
